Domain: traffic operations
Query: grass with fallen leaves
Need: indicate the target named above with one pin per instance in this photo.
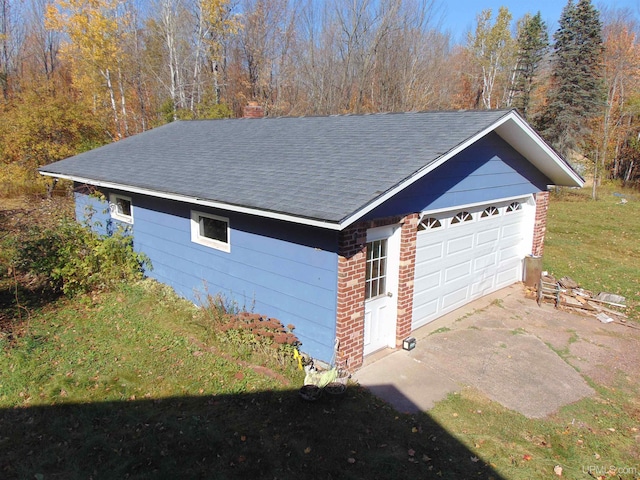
(596, 437)
(129, 384)
(122, 385)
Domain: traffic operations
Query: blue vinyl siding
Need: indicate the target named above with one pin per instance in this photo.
(489, 169)
(277, 269)
(94, 212)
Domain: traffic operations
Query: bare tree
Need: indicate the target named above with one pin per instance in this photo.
(42, 44)
(11, 38)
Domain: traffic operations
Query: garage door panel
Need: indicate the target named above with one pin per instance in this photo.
(505, 277)
(513, 230)
(461, 244)
(488, 236)
(427, 283)
(483, 287)
(457, 272)
(509, 254)
(427, 310)
(484, 262)
(430, 252)
(455, 299)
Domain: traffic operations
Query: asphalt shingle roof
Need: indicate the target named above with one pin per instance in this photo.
(323, 168)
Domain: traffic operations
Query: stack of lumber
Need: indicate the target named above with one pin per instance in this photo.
(566, 293)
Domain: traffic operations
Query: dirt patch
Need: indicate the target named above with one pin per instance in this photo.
(20, 291)
(19, 214)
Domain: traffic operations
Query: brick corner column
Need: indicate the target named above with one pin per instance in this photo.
(540, 225)
(351, 286)
(406, 277)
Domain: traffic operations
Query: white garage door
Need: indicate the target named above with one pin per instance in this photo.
(464, 254)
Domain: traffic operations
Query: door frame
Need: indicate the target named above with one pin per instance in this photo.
(393, 235)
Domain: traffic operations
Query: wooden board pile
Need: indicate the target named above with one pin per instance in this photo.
(566, 293)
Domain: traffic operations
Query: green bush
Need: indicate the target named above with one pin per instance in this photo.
(74, 259)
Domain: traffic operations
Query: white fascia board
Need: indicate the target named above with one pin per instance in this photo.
(200, 201)
(527, 198)
(421, 173)
(511, 128)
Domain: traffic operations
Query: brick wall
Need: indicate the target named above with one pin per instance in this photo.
(253, 110)
(540, 226)
(351, 286)
(351, 283)
(406, 277)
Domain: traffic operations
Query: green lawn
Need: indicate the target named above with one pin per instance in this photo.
(132, 384)
(597, 243)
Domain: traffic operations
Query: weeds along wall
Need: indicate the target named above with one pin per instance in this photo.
(278, 269)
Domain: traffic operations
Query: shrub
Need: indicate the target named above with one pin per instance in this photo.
(249, 332)
(74, 259)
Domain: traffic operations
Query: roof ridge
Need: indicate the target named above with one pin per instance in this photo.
(350, 114)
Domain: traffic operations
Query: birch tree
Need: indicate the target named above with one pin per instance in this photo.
(193, 35)
(492, 46)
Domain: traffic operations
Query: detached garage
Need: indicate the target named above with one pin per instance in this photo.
(355, 229)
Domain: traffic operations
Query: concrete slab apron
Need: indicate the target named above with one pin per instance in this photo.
(508, 365)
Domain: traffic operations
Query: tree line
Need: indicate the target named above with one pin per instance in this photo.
(75, 74)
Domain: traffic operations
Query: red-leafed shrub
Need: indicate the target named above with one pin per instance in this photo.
(249, 332)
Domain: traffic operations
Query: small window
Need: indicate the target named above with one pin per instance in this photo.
(429, 224)
(210, 230)
(461, 217)
(120, 208)
(376, 274)
(490, 212)
(514, 206)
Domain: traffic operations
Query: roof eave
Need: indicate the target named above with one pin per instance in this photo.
(537, 151)
(510, 127)
(419, 174)
(313, 222)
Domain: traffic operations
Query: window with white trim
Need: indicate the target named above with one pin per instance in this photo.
(376, 273)
(210, 230)
(490, 212)
(120, 208)
(514, 206)
(461, 217)
(429, 224)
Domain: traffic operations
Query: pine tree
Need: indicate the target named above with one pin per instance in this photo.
(533, 43)
(576, 92)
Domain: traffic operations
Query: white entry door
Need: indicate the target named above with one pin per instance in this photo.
(381, 288)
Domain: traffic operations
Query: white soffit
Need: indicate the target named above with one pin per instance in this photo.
(529, 144)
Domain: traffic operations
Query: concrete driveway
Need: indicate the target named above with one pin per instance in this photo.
(528, 358)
